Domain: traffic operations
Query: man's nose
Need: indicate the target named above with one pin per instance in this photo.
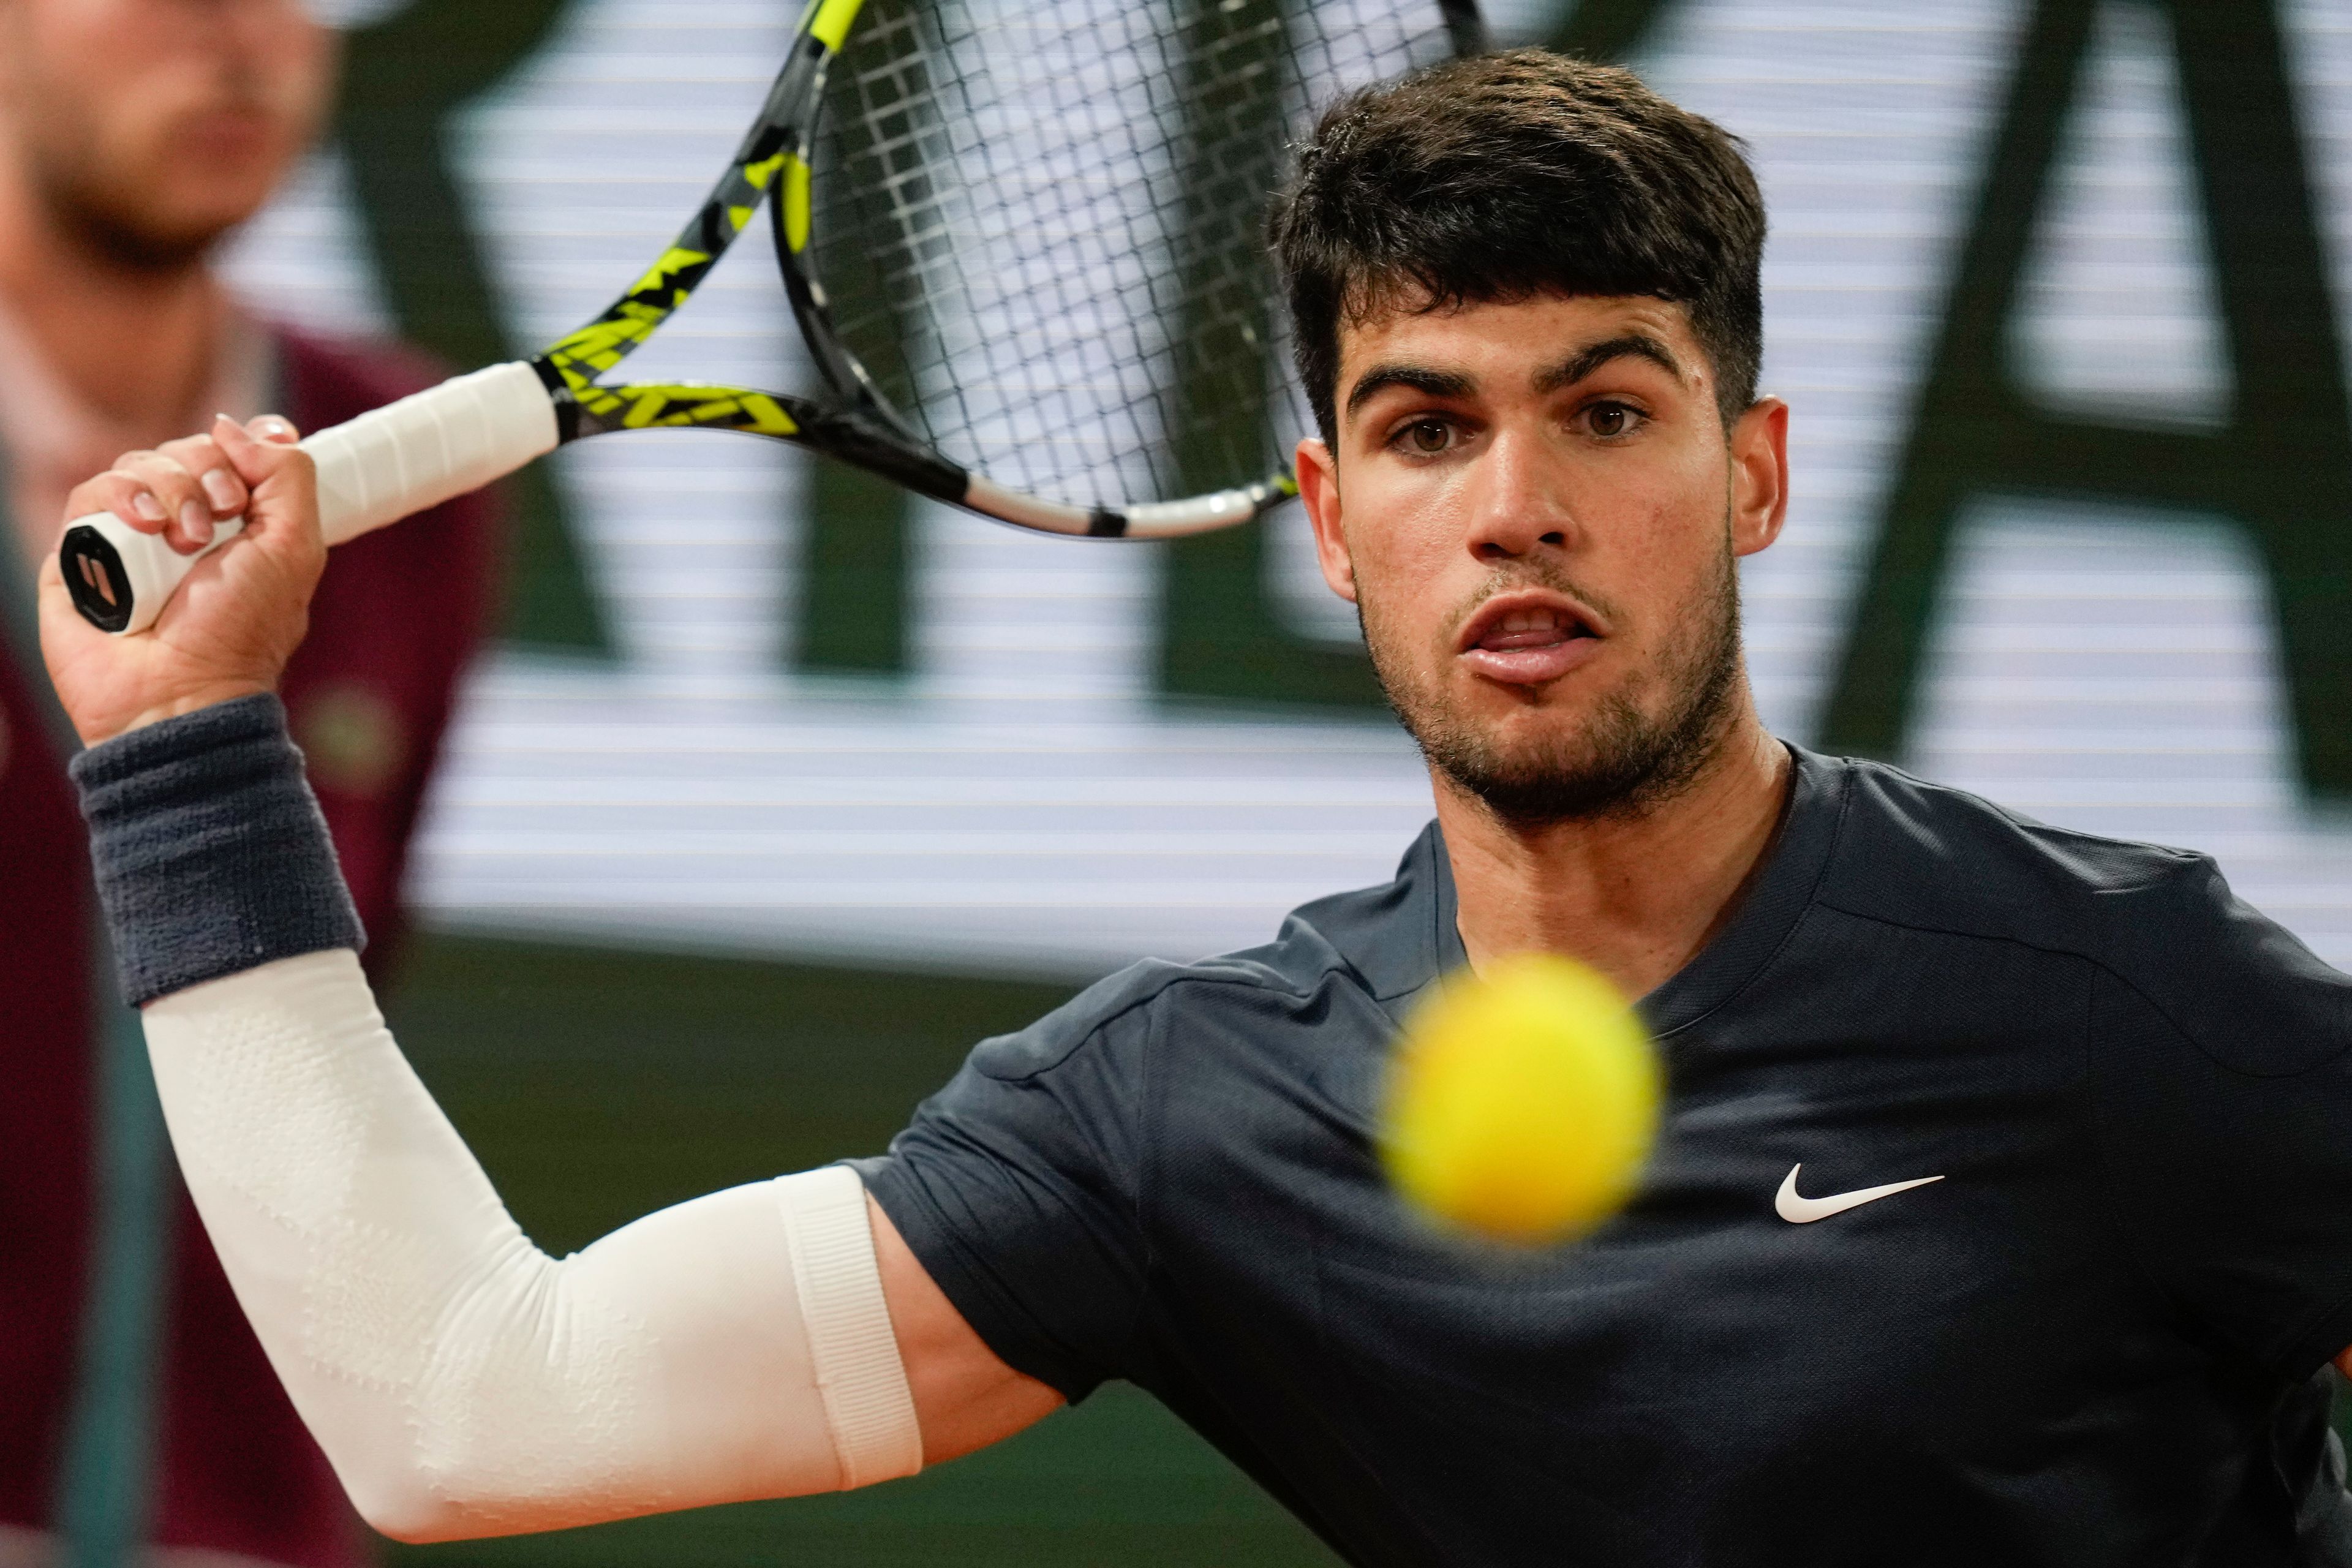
(1521, 503)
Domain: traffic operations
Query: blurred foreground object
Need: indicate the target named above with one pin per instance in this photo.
(1522, 1102)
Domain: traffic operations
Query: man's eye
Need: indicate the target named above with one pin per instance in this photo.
(1606, 419)
(1427, 437)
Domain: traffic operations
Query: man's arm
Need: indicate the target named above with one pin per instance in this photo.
(774, 1339)
(965, 1396)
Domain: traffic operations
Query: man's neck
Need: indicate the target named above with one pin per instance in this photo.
(136, 345)
(1636, 896)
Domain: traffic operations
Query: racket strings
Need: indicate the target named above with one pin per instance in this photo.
(879, 176)
(1042, 226)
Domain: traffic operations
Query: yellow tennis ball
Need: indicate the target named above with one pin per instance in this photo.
(1522, 1103)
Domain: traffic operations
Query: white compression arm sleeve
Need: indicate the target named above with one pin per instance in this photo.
(462, 1381)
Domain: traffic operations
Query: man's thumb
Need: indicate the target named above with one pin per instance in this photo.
(256, 449)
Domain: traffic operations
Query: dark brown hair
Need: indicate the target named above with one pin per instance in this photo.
(1510, 175)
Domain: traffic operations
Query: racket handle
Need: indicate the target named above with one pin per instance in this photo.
(416, 453)
(388, 464)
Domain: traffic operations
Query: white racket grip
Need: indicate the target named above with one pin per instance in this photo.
(387, 464)
(415, 454)
(121, 580)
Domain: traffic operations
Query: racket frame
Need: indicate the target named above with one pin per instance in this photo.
(854, 421)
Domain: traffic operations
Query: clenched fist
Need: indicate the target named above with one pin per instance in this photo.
(229, 630)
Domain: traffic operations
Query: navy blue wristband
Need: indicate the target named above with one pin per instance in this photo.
(210, 853)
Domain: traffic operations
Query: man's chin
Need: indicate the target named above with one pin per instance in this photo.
(157, 241)
(1557, 717)
(1569, 756)
(162, 224)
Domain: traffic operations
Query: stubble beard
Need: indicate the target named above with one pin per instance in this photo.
(1623, 761)
(99, 215)
(125, 243)
(107, 226)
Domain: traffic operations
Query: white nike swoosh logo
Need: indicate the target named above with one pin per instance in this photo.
(1798, 1209)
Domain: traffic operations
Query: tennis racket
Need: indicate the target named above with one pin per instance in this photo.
(1023, 243)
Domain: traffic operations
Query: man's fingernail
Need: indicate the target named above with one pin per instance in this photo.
(223, 492)
(197, 521)
(270, 425)
(148, 507)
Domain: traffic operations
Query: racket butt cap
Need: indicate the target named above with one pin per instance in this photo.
(119, 579)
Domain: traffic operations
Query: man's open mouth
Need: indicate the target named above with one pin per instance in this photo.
(1528, 639)
(1534, 628)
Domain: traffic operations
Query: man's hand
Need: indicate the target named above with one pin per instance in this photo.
(229, 630)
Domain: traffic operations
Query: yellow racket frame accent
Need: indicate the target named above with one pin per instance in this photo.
(781, 144)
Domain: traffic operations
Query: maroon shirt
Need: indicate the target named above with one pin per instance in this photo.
(396, 617)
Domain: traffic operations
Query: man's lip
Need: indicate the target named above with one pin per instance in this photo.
(235, 129)
(1501, 606)
(1531, 666)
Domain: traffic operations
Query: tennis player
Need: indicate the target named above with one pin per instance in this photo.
(2004, 1213)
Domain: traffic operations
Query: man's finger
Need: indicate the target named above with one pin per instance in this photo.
(178, 492)
(202, 457)
(125, 495)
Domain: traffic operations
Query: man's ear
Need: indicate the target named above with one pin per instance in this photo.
(1759, 475)
(1318, 492)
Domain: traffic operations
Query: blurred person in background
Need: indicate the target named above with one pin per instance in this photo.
(133, 135)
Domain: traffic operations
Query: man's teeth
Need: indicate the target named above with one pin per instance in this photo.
(1522, 627)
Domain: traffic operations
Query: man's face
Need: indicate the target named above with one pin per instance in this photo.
(1536, 510)
(149, 127)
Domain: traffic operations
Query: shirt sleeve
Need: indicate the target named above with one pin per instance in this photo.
(1015, 1187)
(2222, 1096)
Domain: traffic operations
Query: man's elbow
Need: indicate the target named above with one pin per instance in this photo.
(403, 1498)
(409, 1512)
(420, 1506)
(400, 1504)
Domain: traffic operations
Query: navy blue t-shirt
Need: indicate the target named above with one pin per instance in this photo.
(2099, 1339)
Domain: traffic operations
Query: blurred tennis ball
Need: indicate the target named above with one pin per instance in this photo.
(1522, 1102)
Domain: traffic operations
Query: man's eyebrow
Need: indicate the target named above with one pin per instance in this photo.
(1585, 360)
(1419, 377)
